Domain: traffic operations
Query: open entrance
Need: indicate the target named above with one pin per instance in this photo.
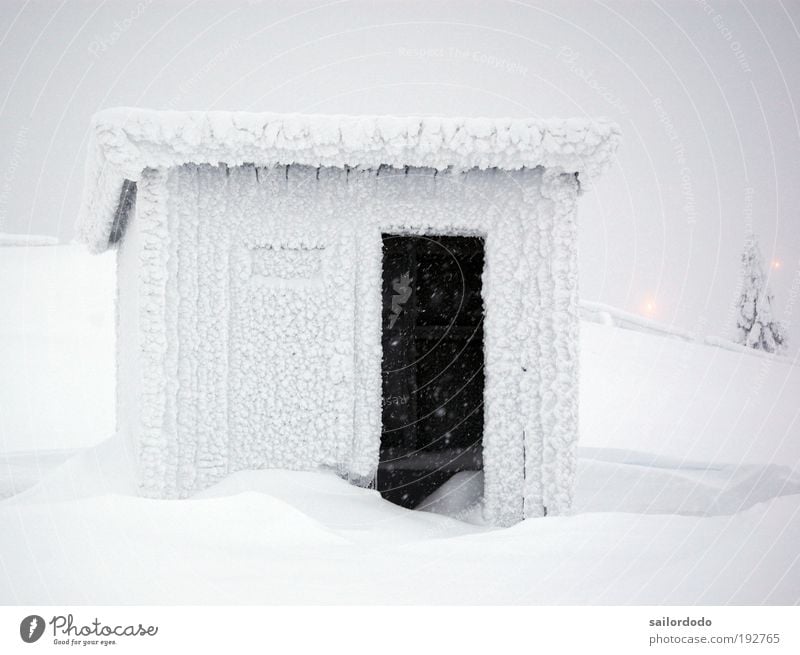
(432, 364)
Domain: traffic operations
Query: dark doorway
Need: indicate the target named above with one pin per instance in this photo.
(432, 363)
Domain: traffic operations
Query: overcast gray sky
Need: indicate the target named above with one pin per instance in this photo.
(706, 94)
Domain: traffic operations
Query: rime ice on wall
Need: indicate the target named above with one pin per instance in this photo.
(550, 359)
(249, 310)
(259, 310)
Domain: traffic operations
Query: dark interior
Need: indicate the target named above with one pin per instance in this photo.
(432, 363)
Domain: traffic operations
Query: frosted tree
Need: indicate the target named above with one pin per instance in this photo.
(755, 326)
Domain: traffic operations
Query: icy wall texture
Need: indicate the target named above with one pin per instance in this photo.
(256, 296)
(126, 141)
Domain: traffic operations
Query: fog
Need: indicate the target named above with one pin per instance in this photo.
(706, 95)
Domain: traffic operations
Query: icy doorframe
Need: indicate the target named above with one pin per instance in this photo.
(530, 297)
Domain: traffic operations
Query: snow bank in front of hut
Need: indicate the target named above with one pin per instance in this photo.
(648, 531)
(688, 492)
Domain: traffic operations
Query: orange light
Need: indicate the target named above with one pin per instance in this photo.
(649, 307)
(776, 263)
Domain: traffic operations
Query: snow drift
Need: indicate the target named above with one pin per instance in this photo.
(687, 492)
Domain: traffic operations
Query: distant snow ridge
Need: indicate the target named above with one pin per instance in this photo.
(596, 312)
(27, 240)
(727, 344)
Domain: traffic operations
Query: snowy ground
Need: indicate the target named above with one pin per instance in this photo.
(56, 348)
(688, 488)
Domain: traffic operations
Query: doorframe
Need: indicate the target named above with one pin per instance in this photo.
(503, 416)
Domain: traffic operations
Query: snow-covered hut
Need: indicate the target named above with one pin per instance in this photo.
(392, 298)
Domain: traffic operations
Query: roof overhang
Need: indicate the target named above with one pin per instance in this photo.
(125, 141)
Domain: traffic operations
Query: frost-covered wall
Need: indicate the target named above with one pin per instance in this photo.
(254, 296)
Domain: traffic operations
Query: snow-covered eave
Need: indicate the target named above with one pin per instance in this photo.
(124, 142)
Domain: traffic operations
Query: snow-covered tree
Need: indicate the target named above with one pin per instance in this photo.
(755, 326)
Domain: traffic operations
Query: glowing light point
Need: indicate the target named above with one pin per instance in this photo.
(649, 307)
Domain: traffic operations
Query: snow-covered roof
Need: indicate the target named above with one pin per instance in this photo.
(125, 141)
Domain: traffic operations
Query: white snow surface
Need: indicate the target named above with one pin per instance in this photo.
(56, 348)
(126, 141)
(727, 344)
(687, 487)
(7, 239)
(459, 497)
(598, 312)
(645, 531)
